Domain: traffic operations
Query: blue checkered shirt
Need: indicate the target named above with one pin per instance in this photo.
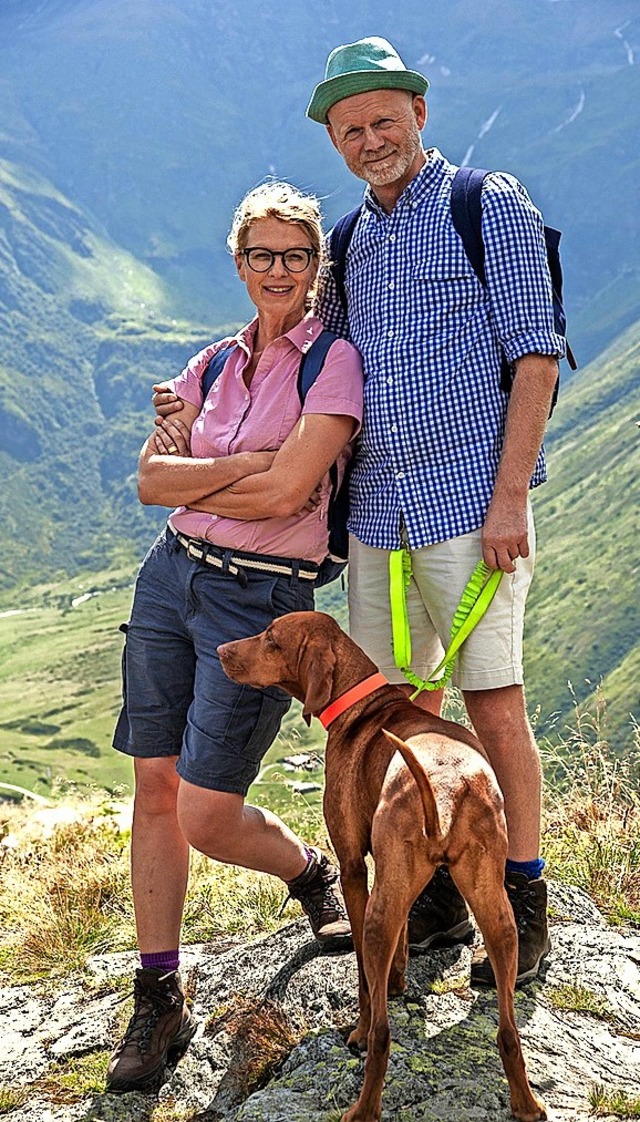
(430, 335)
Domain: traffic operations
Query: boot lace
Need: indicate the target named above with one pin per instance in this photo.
(147, 1010)
(524, 905)
(438, 891)
(318, 898)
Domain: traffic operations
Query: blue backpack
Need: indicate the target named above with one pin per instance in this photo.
(310, 366)
(466, 215)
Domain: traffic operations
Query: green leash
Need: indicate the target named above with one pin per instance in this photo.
(478, 594)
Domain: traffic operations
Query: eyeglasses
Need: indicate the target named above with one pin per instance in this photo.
(295, 260)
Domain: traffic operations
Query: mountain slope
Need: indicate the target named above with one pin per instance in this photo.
(584, 618)
(81, 348)
(157, 116)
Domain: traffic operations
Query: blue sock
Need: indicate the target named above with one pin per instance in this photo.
(531, 869)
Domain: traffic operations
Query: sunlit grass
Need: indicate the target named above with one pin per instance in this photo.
(591, 834)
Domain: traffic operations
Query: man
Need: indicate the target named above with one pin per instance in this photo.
(446, 458)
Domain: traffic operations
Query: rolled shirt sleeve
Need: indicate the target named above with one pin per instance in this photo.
(518, 280)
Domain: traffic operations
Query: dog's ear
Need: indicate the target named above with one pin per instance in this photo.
(315, 673)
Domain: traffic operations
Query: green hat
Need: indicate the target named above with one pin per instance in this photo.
(369, 64)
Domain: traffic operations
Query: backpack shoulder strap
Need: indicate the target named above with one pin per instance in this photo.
(215, 367)
(466, 214)
(313, 360)
(339, 242)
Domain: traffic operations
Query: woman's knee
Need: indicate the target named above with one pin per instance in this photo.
(156, 785)
(210, 820)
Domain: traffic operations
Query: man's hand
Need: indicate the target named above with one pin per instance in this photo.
(164, 401)
(505, 534)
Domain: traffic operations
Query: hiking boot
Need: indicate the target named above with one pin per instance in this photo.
(528, 898)
(320, 897)
(157, 1034)
(439, 916)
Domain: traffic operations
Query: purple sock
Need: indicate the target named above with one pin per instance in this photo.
(163, 960)
(531, 869)
(311, 861)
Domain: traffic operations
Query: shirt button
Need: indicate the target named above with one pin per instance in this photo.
(399, 475)
(389, 381)
(390, 333)
(392, 237)
(391, 284)
(394, 428)
(214, 517)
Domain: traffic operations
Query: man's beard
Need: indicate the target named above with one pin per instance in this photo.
(394, 168)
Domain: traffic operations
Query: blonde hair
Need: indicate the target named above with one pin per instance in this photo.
(284, 202)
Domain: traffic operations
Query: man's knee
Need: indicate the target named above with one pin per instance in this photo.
(499, 716)
(156, 785)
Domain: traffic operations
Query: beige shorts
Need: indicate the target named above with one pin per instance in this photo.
(491, 657)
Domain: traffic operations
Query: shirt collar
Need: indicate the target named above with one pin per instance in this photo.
(430, 175)
(302, 335)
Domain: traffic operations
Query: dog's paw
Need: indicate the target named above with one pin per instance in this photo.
(533, 1112)
(356, 1115)
(397, 985)
(357, 1039)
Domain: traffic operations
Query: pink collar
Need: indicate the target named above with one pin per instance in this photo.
(356, 693)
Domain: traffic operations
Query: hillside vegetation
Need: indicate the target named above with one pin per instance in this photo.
(584, 618)
(156, 118)
(85, 334)
(60, 646)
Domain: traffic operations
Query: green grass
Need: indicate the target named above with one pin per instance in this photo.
(70, 1081)
(573, 998)
(605, 1102)
(65, 892)
(60, 693)
(12, 1097)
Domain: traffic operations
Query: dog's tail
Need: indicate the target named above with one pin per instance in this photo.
(432, 818)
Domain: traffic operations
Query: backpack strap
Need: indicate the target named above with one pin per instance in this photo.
(215, 367)
(312, 362)
(310, 366)
(466, 215)
(339, 242)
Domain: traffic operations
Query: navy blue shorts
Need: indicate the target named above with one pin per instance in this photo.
(178, 700)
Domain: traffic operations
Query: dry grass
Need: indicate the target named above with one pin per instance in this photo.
(65, 892)
(592, 816)
(263, 1037)
(12, 1097)
(63, 897)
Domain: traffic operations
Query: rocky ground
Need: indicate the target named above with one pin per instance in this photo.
(273, 1014)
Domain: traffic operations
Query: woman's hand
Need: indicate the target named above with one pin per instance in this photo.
(164, 401)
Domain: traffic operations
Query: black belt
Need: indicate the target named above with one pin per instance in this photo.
(235, 563)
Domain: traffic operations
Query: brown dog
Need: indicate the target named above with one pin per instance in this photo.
(416, 792)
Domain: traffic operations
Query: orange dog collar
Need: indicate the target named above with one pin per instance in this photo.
(356, 693)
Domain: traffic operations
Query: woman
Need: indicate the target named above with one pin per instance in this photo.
(246, 471)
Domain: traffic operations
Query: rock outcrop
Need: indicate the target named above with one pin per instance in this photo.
(273, 1016)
